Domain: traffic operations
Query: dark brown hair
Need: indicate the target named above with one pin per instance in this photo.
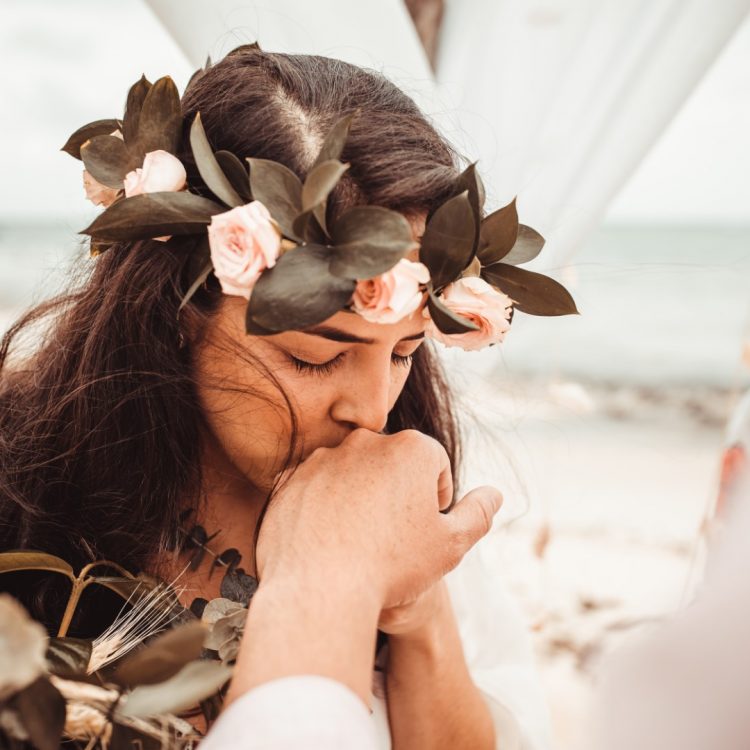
(100, 425)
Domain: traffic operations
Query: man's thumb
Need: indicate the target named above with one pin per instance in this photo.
(471, 517)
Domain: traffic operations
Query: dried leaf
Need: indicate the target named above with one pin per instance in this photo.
(153, 215)
(497, 234)
(528, 245)
(107, 159)
(333, 144)
(209, 168)
(446, 320)
(279, 190)
(447, 245)
(236, 173)
(320, 181)
(299, 291)
(133, 106)
(160, 122)
(85, 132)
(471, 181)
(41, 709)
(368, 240)
(533, 293)
(68, 657)
(163, 658)
(27, 560)
(193, 683)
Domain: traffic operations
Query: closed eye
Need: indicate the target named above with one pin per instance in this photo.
(326, 368)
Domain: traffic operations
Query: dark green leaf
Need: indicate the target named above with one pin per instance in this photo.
(209, 168)
(84, 133)
(298, 291)
(279, 190)
(28, 560)
(163, 658)
(471, 181)
(197, 283)
(369, 240)
(160, 123)
(68, 656)
(107, 159)
(531, 292)
(236, 173)
(446, 320)
(41, 708)
(447, 245)
(153, 215)
(528, 245)
(133, 106)
(191, 684)
(333, 144)
(497, 234)
(320, 181)
(306, 226)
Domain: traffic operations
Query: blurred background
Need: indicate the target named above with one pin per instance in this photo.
(622, 127)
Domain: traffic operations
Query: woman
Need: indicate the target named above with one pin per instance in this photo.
(159, 407)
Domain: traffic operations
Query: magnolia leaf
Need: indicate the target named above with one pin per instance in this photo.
(528, 245)
(133, 106)
(193, 683)
(279, 190)
(470, 180)
(28, 560)
(368, 240)
(236, 173)
(320, 181)
(84, 133)
(68, 657)
(160, 122)
(41, 709)
(208, 166)
(446, 320)
(333, 143)
(532, 293)
(298, 291)
(447, 245)
(153, 215)
(107, 159)
(163, 657)
(497, 234)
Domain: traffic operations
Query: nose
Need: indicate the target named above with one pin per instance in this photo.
(365, 400)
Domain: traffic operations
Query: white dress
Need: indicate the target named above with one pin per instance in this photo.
(318, 713)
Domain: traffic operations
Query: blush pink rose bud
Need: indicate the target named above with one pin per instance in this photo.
(161, 172)
(485, 306)
(393, 295)
(244, 242)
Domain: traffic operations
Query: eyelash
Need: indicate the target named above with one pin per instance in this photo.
(326, 368)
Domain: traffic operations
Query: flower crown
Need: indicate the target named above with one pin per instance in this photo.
(265, 236)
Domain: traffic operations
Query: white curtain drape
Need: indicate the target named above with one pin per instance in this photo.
(558, 100)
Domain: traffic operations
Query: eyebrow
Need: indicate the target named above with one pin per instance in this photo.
(336, 334)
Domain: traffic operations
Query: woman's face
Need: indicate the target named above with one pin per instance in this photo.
(343, 374)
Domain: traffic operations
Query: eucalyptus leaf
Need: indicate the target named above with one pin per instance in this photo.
(29, 560)
(85, 132)
(320, 181)
(236, 173)
(446, 320)
(497, 234)
(333, 143)
(209, 167)
(153, 215)
(107, 159)
(68, 657)
(133, 106)
(163, 657)
(532, 293)
(447, 245)
(298, 291)
(280, 191)
(528, 245)
(41, 708)
(193, 683)
(238, 586)
(160, 122)
(369, 240)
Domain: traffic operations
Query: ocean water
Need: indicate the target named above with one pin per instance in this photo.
(659, 304)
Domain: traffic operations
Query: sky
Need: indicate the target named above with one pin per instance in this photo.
(53, 82)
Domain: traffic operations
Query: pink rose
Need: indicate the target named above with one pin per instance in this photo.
(393, 295)
(161, 172)
(486, 307)
(244, 242)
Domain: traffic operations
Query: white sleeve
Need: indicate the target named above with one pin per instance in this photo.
(497, 648)
(301, 711)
